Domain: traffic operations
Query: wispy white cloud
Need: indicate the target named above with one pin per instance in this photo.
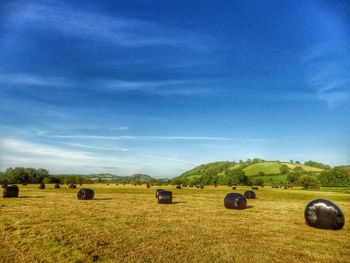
(21, 80)
(98, 147)
(123, 128)
(156, 87)
(327, 71)
(14, 152)
(143, 138)
(160, 87)
(94, 26)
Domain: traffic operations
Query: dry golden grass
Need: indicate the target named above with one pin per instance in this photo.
(53, 226)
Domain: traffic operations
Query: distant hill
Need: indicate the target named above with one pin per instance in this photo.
(269, 171)
(135, 178)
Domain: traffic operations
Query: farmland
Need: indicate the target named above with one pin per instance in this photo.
(125, 223)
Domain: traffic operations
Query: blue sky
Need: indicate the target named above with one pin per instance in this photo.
(159, 87)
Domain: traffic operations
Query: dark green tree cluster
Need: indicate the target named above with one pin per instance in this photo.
(69, 179)
(317, 165)
(309, 182)
(336, 177)
(21, 175)
(237, 177)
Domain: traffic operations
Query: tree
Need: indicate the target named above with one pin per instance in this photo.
(237, 176)
(293, 177)
(284, 169)
(309, 182)
(337, 177)
(261, 173)
(298, 169)
(259, 181)
(317, 165)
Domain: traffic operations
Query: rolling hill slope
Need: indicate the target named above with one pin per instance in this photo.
(217, 172)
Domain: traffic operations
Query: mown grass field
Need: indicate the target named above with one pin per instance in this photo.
(125, 224)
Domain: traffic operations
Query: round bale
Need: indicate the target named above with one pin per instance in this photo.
(255, 188)
(159, 190)
(178, 187)
(10, 191)
(321, 213)
(201, 187)
(57, 185)
(233, 187)
(42, 185)
(165, 197)
(148, 185)
(235, 201)
(86, 194)
(249, 194)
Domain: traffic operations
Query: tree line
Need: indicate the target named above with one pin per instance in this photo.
(22, 175)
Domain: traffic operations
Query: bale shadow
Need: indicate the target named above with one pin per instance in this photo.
(249, 206)
(179, 202)
(100, 199)
(32, 196)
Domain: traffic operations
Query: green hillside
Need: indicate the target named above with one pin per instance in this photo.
(256, 170)
(305, 167)
(264, 167)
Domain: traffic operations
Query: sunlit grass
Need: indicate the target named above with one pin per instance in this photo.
(125, 223)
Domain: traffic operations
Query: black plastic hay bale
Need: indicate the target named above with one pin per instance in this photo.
(321, 213)
(158, 191)
(201, 187)
(24, 184)
(249, 194)
(235, 201)
(86, 194)
(42, 186)
(233, 187)
(165, 197)
(73, 186)
(57, 185)
(10, 191)
(148, 185)
(178, 187)
(255, 188)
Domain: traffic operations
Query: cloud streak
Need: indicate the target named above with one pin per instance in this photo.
(58, 159)
(156, 87)
(94, 26)
(327, 72)
(141, 138)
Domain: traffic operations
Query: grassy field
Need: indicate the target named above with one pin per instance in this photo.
(265, 167)
(273, 179)
(305, 167)
(125, 223)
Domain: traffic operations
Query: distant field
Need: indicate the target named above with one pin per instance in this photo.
(273, 179)
(125, 224)
(305, 167)
(265, 167)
